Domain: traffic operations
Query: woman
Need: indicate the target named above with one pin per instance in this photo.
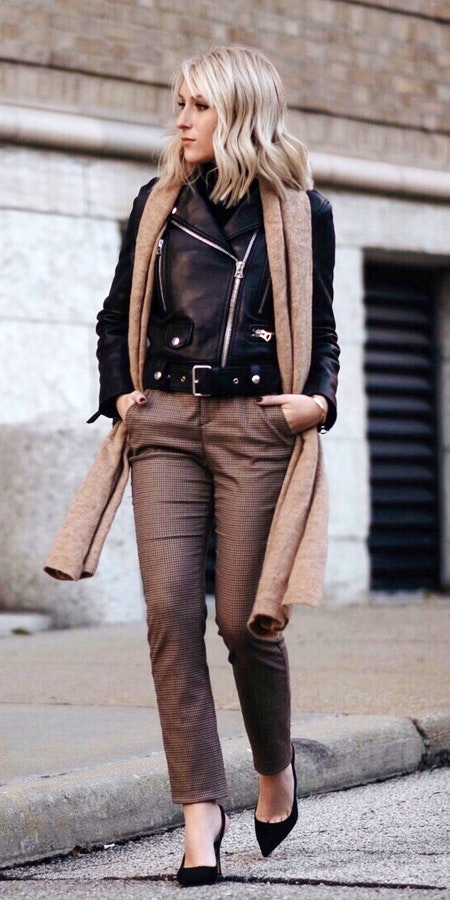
(212, 432)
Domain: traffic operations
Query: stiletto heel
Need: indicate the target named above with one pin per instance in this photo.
(270, 834)
(198, 875)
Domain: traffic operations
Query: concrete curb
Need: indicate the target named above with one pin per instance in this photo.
(435, 732)
(42, 817)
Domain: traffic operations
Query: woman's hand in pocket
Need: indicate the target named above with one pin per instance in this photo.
(300, 411)
(125, 401)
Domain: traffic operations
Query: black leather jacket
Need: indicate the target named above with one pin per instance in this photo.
(215, 305)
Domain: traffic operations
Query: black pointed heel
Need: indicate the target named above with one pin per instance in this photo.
(198, 875)
(270, 834)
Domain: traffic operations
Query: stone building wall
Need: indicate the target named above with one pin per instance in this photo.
(369, 76)
(366, 81)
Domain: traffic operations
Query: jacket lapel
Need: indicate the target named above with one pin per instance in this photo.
(194, 210)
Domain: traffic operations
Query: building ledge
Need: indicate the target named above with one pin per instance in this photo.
(111, 138)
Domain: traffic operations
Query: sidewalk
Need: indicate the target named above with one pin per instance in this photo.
(81, 761)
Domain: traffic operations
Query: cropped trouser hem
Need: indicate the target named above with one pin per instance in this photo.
(204, 797)
(193, 458)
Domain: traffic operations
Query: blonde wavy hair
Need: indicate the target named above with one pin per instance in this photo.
(251, 139)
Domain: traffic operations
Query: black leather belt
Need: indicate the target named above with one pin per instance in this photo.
(202, 380)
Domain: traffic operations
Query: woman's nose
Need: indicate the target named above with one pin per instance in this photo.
(183, 119)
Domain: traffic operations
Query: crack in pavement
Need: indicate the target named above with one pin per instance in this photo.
(240, 879)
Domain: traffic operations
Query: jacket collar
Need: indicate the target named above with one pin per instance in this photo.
(194, 210)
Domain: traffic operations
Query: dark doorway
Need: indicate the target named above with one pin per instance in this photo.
(400, 369)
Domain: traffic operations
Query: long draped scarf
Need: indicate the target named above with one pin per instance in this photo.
(295, 558)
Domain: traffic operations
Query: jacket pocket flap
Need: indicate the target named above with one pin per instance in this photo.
(178, 334)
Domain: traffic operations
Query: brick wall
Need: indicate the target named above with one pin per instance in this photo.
(377, 70)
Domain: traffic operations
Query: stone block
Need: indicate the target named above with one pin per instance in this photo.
(443, 325)
(444, 472)
(348, 476)
(435, 731)
(380, 223)
(49, 371)
(98, 805)
(55, 268)
(351, 398)
(112, 186)
(349, 293)
(445, 405)
(41, 181)
(347, 576)
(43, 465)
(338, 752)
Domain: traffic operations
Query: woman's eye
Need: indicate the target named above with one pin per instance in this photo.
(201, 106)
(181, 104)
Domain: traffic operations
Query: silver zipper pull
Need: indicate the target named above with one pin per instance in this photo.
(263, 334)
(239, 271)
(160, 246)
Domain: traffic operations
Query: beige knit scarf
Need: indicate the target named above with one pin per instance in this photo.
(295, 558)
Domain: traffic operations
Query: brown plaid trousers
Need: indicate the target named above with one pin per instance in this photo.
(192, 458)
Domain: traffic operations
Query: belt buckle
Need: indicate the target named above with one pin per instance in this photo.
(195, 381)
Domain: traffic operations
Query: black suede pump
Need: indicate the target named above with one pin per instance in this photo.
(270, 834)
(198, 875)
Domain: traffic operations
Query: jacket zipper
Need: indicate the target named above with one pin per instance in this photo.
(238, 276)
(161, 288)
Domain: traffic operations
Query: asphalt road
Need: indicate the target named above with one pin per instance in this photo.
(389, 840)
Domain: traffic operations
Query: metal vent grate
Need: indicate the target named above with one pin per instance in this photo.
(400, 382)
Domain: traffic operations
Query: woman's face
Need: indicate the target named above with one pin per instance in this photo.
(197, 123)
